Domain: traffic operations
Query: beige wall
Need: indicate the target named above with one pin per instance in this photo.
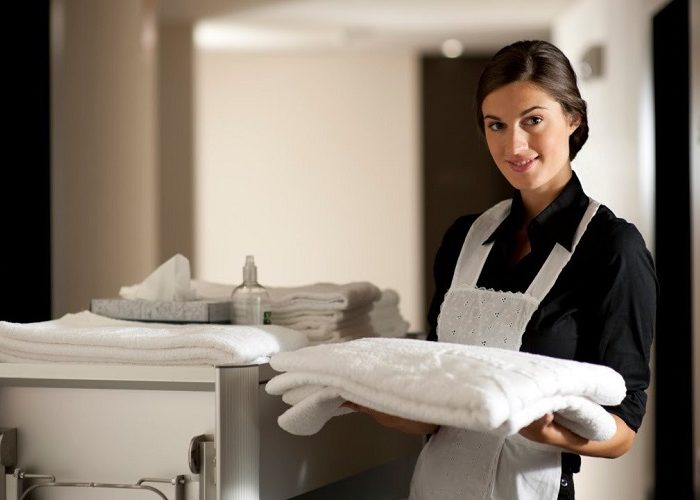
(104, 223)
(175, 140)
(616, 167)
(310, 163)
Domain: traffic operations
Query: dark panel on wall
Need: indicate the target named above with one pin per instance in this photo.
(673, 374)
(459, 176)
(26, 212)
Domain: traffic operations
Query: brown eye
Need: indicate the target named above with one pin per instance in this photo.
(495, 126)
(533, 120)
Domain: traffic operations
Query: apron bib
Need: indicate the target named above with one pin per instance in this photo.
(464, 464)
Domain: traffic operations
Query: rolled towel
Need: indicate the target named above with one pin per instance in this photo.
(396, 327)
(389, 298)
(89, 338)
(386, 317)
(473, 387)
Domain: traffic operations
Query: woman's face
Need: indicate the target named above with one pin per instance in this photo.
(527, 133)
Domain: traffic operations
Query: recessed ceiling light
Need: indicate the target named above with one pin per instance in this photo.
(452, 48)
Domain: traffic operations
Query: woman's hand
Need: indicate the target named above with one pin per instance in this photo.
(546, 430)
(394, 422)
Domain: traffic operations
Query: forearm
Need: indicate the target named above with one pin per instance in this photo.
(557, 435)
(398, 423)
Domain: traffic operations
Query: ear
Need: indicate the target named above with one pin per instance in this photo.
(574, 122)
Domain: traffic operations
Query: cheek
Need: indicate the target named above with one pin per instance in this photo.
(555, 143)
(492, 144)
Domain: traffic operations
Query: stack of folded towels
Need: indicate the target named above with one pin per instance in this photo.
(325, 312)
(328, 312)
(473, 387)
(90, 338)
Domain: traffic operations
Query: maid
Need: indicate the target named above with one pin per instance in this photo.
(550, 271)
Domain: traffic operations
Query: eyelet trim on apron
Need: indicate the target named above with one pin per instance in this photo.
(464, 464)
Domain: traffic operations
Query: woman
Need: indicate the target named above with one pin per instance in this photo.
(578, 280)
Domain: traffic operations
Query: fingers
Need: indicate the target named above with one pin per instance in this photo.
(362, 409)
(547, 418)
(356, 407)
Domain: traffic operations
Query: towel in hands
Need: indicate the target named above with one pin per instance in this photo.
(474, 387)
(89, 338)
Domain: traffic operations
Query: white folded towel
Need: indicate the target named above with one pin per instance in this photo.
(324, 296)
(305, 299)
(320, 317)
(317, 298)
(473, 387)
(319, 326)
(89, 338)
(210, 290)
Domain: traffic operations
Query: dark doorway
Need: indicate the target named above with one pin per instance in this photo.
(459, 176)
(673, 374)
(26, 198)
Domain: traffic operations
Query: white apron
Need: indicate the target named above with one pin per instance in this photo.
(464, 464)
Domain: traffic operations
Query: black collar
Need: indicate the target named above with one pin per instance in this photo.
(557, 223)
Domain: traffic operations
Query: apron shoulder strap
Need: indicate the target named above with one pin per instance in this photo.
(474, 252)
(559, 257)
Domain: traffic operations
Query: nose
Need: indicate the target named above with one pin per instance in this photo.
(516, 140)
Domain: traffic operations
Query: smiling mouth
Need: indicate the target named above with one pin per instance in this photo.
(521, 165)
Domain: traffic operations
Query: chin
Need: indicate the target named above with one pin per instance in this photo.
(524, 181)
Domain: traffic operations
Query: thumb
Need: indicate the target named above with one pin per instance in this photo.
(546, 419)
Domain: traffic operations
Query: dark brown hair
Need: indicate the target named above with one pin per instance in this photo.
(546, 66)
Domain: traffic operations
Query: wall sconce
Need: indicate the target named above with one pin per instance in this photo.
(591, 64)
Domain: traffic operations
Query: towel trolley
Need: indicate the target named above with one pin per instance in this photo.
(50, 482)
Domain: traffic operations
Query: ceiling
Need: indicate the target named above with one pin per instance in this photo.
(352, 25)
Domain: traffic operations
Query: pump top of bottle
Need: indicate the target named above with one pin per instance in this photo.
(250, 271)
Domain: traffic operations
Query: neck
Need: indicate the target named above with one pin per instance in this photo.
(536, 200)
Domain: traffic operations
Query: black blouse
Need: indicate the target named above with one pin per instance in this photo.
(602, 308)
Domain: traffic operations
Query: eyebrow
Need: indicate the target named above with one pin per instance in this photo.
(521, 114)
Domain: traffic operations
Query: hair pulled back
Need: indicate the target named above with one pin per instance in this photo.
(543, 64)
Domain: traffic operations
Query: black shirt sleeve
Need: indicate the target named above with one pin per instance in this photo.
(628, 289)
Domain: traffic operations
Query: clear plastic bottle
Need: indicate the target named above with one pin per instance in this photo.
(250, 302)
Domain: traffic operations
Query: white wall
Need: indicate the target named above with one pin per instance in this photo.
(616, 166)
(103, 156)
(311, 164)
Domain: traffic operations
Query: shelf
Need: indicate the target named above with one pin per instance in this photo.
(197, 378)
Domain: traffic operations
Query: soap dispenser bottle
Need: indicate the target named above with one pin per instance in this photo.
(250, 302)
